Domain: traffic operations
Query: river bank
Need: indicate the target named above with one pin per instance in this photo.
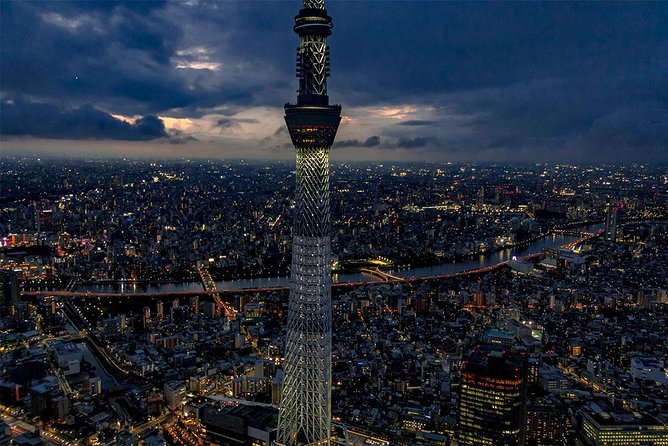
(480, 261)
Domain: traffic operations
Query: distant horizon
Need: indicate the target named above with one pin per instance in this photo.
(288, 160)
(87, 150)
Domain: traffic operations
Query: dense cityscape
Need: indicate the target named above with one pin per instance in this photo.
(145, 302)
(466, 246)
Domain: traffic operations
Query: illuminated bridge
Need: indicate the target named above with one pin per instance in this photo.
(211, 290)
(380, 275)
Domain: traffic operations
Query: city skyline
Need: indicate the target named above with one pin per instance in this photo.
(148, 303)
(427, 81)
(484, 262)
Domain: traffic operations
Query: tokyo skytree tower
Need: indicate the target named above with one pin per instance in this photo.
(305, 408)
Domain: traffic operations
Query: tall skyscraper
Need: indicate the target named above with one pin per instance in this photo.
(480, 199)
(194, 304)
(160, 310)
(147, 317)
(492, 399)
(305, 405)
(9, 288)
(611, 217)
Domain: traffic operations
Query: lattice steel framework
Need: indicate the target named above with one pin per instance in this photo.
(305, 408)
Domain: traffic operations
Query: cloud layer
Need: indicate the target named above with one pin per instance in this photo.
(86, 122)
(448, 81)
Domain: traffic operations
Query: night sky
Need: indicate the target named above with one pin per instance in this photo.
(442, 81)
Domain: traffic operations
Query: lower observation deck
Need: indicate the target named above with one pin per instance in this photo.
(312, 126)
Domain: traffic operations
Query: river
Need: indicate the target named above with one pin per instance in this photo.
(107, 381)
(551, 241)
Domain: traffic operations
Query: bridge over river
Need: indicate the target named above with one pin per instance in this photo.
(366, 276)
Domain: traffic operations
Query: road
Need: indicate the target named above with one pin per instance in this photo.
(48, 435)
(148, 426)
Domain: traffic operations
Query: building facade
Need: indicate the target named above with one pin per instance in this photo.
(612, 429)
(492, 399)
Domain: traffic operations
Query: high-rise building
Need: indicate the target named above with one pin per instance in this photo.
(113, 326)
(160, 310)
(198, 383)
(60, 405)
(10, 392)
(492, 399)
(146, 320)
(547, 423)
(611, 218)
(209, 309)
(194, 304)
(175, 394)
(47, 400)
(9, 288)
(305, 407)
(95, 385)
(480, 198)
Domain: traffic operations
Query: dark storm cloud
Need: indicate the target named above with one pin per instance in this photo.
(177, 137)
(79, 52)
(122, 56)
(234, 122)
(541, 77)
(87, 122)
(371, 141)
(463, 46)
(417, 142)
(413, 143)
(558, 119)
(181, 140)
(642, 129)
(416, 122)
(277, 141)
(545, 79)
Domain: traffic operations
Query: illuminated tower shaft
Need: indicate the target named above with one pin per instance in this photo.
(305, 409)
